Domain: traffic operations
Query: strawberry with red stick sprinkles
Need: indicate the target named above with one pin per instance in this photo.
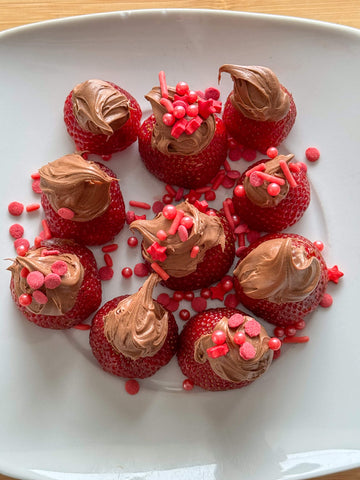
(101, 117)
(224, 349)
(133, 336)
(184, 142)
(260, 112)
(82, 200)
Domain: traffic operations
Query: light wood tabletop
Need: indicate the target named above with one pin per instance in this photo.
(344, 12)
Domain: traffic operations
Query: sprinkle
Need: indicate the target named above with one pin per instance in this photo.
(212, 92)
(46, 228)
(239, 191)
(217, 351)
(46, 253)
(24, 272)
(334, 274)
(126, 272)
(169, 212)
(82, 326)
(326, 301)
(295, 167)
(37, 242)
(134, 203)
(140, 217)
(163, 85)
(171, 191)
(25, 299)
(189, 296)
(161, 235)
(217, 292)
(274, 343)
(236, 320)
(132, 386)
(233, 174)
(300, 324)
(179, 194)
(248, 154)
(242, 228)
(235, 154)
(285, 168)
(35, 280)
(173, 305)
(66, 213)
(231, 301)
(184, 314)
(272, 152)
(218, 337)
(193, 125)
(258, 168)
(32, 207)
(108, 260)
(110, 248)
(141, 270)
(219, 177)
(228, 182)
(163, 299)
(22, 242)
(252, 328)
(15, 208)
(290, 330)
(59, 267)
(273, 189)
(183, 233)
(179, 112)
(182, 88)
(35, 176)
(210, 196)
(187, 221)
(16, 230)
(106, 158)
(188, 384)
(165, 102)
(159, 271)
(199, 304)
(270, 178)
(194, 251)
(157, 252)
(253, 235)
(227, 212)
(52, 280)
(312, 154)
(247, 351)
(192, 110)
(303, 339)
(255, 180)
(130, 217)
(239, 338)
(179, 127)
(319, 245)
(176, 222)
(157, 207)
(201, 206)
(166, 199)
(40, 297)
(206, 108)
(226, 166)
(36, 186)
(132, 242)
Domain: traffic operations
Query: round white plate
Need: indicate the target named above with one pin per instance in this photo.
(61, 416)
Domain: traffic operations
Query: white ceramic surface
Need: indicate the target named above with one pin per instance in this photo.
(63, 418)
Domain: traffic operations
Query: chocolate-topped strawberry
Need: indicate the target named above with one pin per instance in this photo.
(281, 278)
(82, 200)
(273, 194)
(101, 117)
(188, 247)
(132, 336)
(224, 349)
(183, 143)
(56, 285)
(260, 112)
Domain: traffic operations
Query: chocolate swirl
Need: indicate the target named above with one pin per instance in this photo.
(60, 299)
(232, 367)
(206, 232)
(99, 107)
(138, 326)
(162, 139)
(279, 271)
(74, 183)
(259, 195)
(257, 93)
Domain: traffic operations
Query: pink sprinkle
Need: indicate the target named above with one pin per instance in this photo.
(160, 271)
(140, 217)
(272, 152)
(35, 280)
(231, 301)
(134, 203)
(212, 92)
(46, 228)
(194, 252)
(36, 186)
(285, 168)
(242, 228)
(271, 178)
(294, 167)
(165, 102)
(235, 154)
(32, 207)
(110, 248)
(106, 273)
(312, 154)
(15, 208)
(326, 301)
(16, 230)
(176, 222)
(22, 242)
(163, 299)
(233, 174)
(252, 328)
(59, 267)
(193, 125)
(163, 85)
(179, 127)
(24, 272)
(258, 168)
(236, 320)
(132, 386)
(130, 217)
(52, 280)
(141, 270)
(199, 304)
(37, 242)
(173, 305)
(247, 351)
(106, 158)
(40, 297)
(161, 235)
(157, 207)
(255, 179)
(46, 253)
(217, 351)
(183, 233)
(66, 213)
(248, 154)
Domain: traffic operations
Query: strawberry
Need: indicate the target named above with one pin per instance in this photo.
(116, 362)
(88, 296)
(283, 281)
(101, 133)
(189, 171)
(208, 234)
(98, 230)
(223, 349)
(260, 112)
(272, 213)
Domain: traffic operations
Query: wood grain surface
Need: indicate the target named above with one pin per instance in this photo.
(345, 12)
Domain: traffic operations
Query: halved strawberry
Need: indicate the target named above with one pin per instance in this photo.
(223, 349)
(101, 108)
(79, 294)
(281, 278)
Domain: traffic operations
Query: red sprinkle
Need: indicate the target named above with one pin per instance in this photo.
(15, 208)
(188, 384)
(228, 182)
(239, 191)
(210, 196)
(40, 297)
(272, 152)
(110, 248)
(161, 272)
(235, 154)
(189, 296)
(212, 92)
(46, 253)
(194, 251)
(161, 235)
(312, 154)
(35, 280)
(32, 207)
(217, 351)
(52, 280)
(334, 274)
(179, 194)
(169, 212)
(168, 119)
(16, 230)
(24, 272)
(171, 191)
(231, 301)
(157, 207)
(66, 213)
(239, 338)
(134, 203)
(46, 228)
(247, 351)
(165, 102)
(132, 386)
(22, 242)
(326, 301)
(132, 242)
(130, 216)
(126, 272)
(319, 245)
(258, 168)
(163, 299)
(286, 171)
(303, 339)
(25, 299)
(199, 304)
(227, 212)
(82, 326)
(184, 315)
(37, 242)
(270, 178)
(217, 181)
(274, 343)
(141, 270)
(35, 176)
(248, 154)
(36, 186)
(59, 267)
(176, 222)
(173, 305)
(108, 260)
(163, 85)
(218, 337)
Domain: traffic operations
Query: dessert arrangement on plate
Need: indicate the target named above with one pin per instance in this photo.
(239, 255)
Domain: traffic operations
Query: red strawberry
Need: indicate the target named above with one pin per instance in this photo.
(269, 213)
(88, 297)
(242, 346)
(174, 253)
(114, 137)
(100, 229)
(189, 171)
(283, 281)
(260, 112)
(122, 365)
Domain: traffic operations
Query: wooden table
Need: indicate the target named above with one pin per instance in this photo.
(345, 12)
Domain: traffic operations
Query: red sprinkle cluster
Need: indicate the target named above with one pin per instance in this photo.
(187, 111)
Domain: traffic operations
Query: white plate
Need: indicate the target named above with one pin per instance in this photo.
(63, 418)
